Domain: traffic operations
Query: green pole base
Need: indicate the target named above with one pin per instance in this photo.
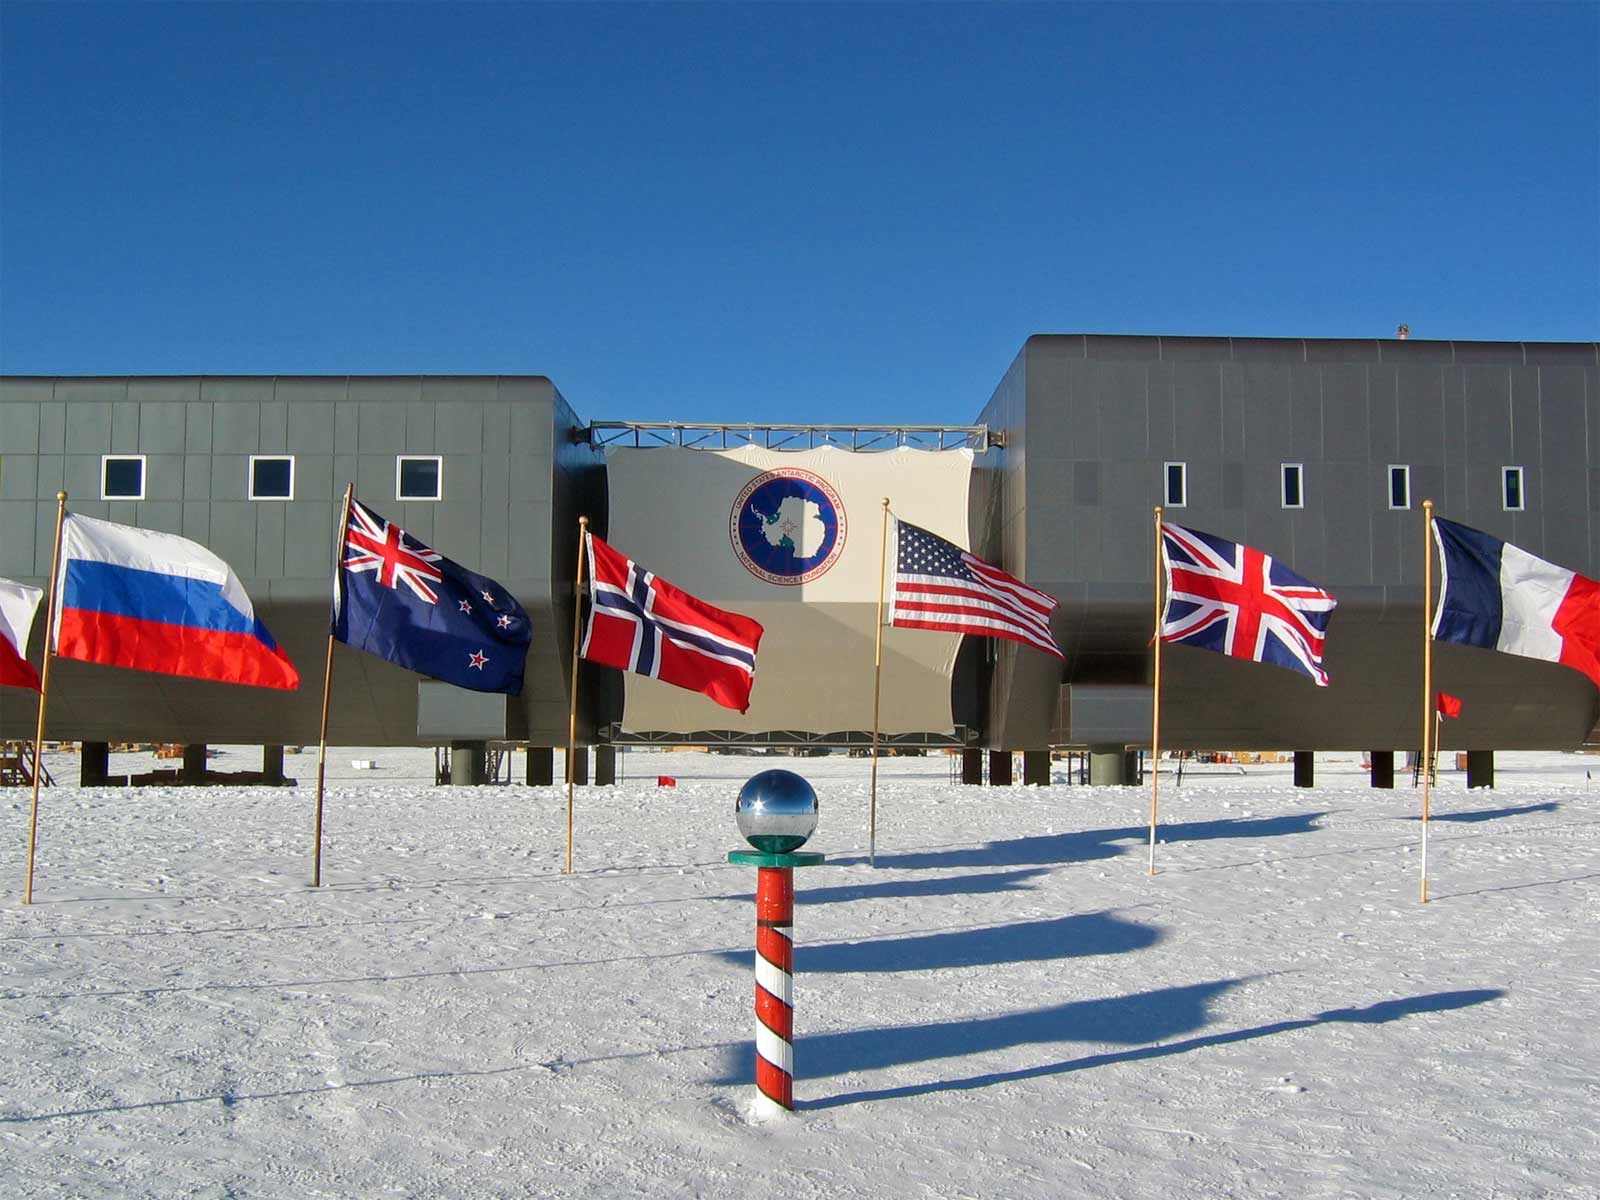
(757, 858)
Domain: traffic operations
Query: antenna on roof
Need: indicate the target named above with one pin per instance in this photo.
(1402, 332)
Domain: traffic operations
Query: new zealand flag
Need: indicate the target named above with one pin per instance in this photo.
(396, 598)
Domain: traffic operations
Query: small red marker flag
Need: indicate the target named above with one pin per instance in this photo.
(1448, 705)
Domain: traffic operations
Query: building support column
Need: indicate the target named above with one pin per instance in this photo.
(999, 768)
(1382, 768)
(1305, 768)
(94, 764)
(580, 767)
(194, 764)
(605, 766)
(1480, 768)
(469, 763)
(972, 767)
(1108, 766)
(272, 765)
(541, 766)
(1036, 767)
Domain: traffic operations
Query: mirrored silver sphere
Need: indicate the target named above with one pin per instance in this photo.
(776, 811)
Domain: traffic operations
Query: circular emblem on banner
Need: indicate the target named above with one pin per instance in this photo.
(787, 526)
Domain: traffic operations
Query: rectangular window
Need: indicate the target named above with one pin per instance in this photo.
(1177, 484)
(1399, 487)
(418, 477)
(1293, 485)
(272, 477)
(1511, 489)
(122, 477)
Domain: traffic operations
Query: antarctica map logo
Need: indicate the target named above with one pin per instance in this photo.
(787, 526)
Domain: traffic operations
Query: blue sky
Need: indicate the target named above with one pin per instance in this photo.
(780, 212)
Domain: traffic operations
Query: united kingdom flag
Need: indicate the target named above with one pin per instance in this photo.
(1229, 598)
(400, 600)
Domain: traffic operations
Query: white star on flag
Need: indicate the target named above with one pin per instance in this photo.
(504, 622)
(466, 607)
(487, 598)
(477, 660)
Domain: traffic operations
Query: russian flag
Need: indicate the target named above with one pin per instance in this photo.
(1500, 597)
(157, 602)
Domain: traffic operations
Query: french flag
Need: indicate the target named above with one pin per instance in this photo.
(157, 602)
(1500, 597)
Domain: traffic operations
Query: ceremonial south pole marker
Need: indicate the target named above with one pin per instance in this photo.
(776, 811)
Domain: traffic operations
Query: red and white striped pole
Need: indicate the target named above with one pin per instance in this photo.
(775, 989)
(777, 812)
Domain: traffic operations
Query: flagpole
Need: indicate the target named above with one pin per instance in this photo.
(877, 688)
(44, 693)
(572, 714)
(1427, 678)
(1155, 707)
(327, 692)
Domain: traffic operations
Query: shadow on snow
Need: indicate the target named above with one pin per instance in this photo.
(1135, 1021)
(1469, 816)
(1075, 936)
(890, 889)
(1091, 844)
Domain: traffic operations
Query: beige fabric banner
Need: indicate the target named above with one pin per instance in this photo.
(792, 540)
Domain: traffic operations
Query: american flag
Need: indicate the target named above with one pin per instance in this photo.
(938, 585)
(639, 622)
(1229, 598)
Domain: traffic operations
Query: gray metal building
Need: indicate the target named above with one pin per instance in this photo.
(1097, 429)
(1318, 452)
(510, 466)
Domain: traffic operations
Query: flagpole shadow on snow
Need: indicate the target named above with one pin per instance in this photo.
(1090, 844)
(1471, 816)
(1076, 936)
(1135, 1021)
(895, 889)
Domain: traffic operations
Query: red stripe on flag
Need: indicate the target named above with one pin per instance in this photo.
(172, 649)
(1577, 620)
(16, 671)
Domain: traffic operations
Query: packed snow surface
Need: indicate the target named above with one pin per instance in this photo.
(1007, 1004)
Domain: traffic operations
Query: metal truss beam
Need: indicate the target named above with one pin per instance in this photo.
(793, 437)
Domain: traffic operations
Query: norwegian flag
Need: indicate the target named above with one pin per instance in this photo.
(1229, 598)
(639, 622)
(398, 599)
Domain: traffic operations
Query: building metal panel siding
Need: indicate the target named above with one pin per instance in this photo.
(1455, 413)
(19, 423)
(198, 434)
(1087, 422)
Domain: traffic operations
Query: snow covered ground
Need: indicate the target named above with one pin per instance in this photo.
(1008, 1005)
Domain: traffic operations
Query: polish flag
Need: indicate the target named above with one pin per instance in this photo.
(18, 604)
(1498, 596)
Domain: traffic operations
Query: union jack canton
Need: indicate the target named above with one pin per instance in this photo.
(1237, 601)
(639, 622)
(402, 601)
